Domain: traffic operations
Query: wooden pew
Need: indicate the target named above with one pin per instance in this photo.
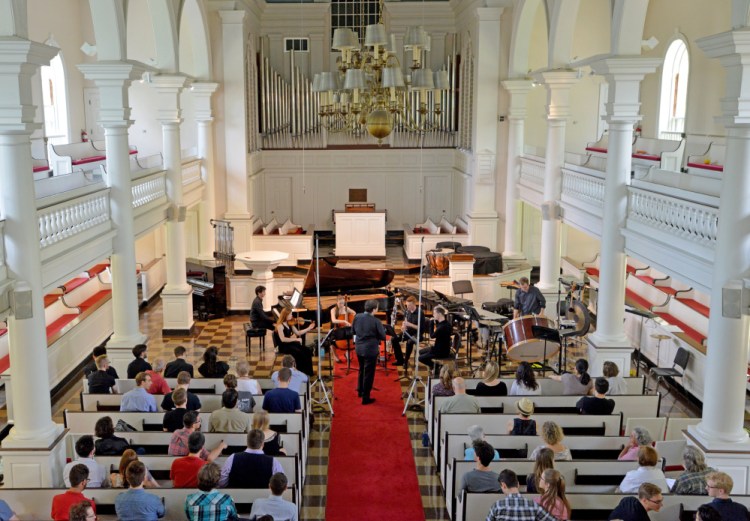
(209, 402)
(198, 385)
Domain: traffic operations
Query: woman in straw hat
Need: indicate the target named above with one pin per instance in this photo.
(523, 425)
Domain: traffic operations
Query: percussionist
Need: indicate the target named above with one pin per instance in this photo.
(529, 300)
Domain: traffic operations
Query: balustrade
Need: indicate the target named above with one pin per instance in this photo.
(149, 189)
(532, 171)
(587, 188)
(72, 217)
(191, 172)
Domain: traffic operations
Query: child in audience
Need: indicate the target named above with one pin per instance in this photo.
(272, 443)
(553, 500)
(552, 434)
(579, 383)
(119, 480)
(617, 384)
(545, 460)
(491, 385)
(525, 383)
(645, 473)
(245, 400)
(523, 425)
(444, 387)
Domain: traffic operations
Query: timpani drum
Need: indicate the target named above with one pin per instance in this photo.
(521, 343)
(439, 261)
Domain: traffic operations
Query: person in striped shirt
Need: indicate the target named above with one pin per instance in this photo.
(209, 504)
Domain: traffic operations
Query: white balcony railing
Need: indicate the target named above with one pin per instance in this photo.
(695, 222)
(191, 171)
(72, 217)
(532, 171)
(583, 187)
(150, 188)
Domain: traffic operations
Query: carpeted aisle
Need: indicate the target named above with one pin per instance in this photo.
(371, 471)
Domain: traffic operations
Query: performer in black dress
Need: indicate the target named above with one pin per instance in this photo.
(441, 348)
(368, 333)
(291, 343)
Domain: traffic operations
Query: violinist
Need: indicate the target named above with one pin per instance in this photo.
(342, 317)
(290, 341)
(412, 318)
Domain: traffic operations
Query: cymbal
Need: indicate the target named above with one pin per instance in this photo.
(661, 337)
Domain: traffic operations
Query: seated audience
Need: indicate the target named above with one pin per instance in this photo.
(245, 400)
(645, 473)
(476, 433)
(83, 511)
(514, 506)
(298, 382)
(491, 385)
(707, 513)
(173, 419)
(85, 454)
(460, 401)
(119, 479)
(158, 383)
(244, 382)
(444, 386)
(282, 399)
(139, 364)
(616, 382)
(579, 383)
(252, 468)
(481, 478)
(545, 460)
(61, 503)
(632, 509)
(135, 504)
(211, 366)
(100, 350)
(522, 425)
(719, 485)
(525, 382)
(138, 399)
(183, 382)
(552, 489)
(184, 470)
(290, 340)
(275, 506)
(108, 444)
(271, 442)
(229, 418)
(176, 366)
(639, 437)
(552, 434)
(101, 381)
(209, 503)
(178, 445)
(598, 404)
(693, 480)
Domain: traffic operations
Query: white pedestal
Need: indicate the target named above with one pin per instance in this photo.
(360, 234)
(619, 354)
(33, 467)
(262, 263)
(732, 458)
(177, 309)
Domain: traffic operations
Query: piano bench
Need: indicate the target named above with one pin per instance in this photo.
(250, 333)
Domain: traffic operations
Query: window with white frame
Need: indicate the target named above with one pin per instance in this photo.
(674, 86)
(55, 103)
(355, 14)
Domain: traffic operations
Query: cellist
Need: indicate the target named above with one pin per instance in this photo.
(342, 316)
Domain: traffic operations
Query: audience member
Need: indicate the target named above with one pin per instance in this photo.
(523, 424)
(693, 480)
(252, 468)
(211, 366)
(707, 513)
(281, 398)
(645, 473)
(515, 507)
(139, 364)
(258, 316)
(6, 513)
(275, 506)
(61, 503)
(632, 509)
(525, 382)
(616, 382)
(173, 419)
(245, 383)
(178, 445)
(209, 503)
(552, 434)
(552, 488)
(84, 448)
(491, 385)
(444, 386)
(138, 399)
(460, 401)
(120, 479)
(176, 366)
(83, 511)
(183, 382)
(719, 485)
(135, 504)
(108, 444)
(184, 470)
(91, 366)
(579, 383)
(299, 380)
(481, 478)
(229, 418)
(476, 433)
(158, 384)
(545, 460)
(101, 381)
(639, 437)
(271, 442)
(245, 400)
(598, 404)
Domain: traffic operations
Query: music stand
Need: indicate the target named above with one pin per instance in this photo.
(344, 333)
(547, 334)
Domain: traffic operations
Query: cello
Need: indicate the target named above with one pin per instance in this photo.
(342, 317)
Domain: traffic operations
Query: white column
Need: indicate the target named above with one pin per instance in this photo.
(624, 76)
(518, 90)
(177, 295)
(481, 214)
(202, 93)
(113, 81)
(31, 453)
(558, 85)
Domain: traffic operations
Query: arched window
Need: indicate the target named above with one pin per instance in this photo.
(674, 85)
(54, 98)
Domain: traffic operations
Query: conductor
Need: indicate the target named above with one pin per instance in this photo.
(368, 333)
(529, 300)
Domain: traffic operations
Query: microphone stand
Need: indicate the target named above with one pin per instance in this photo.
(325, 400)
(417, 380)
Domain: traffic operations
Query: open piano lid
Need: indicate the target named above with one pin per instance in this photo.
(344, 279)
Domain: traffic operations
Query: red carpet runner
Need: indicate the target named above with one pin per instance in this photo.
(371, 470)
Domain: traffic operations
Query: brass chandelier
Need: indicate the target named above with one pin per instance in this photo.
(368, 90)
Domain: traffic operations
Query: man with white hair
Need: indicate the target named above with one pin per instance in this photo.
(460, 402)
(158, 384)
(476, 433)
